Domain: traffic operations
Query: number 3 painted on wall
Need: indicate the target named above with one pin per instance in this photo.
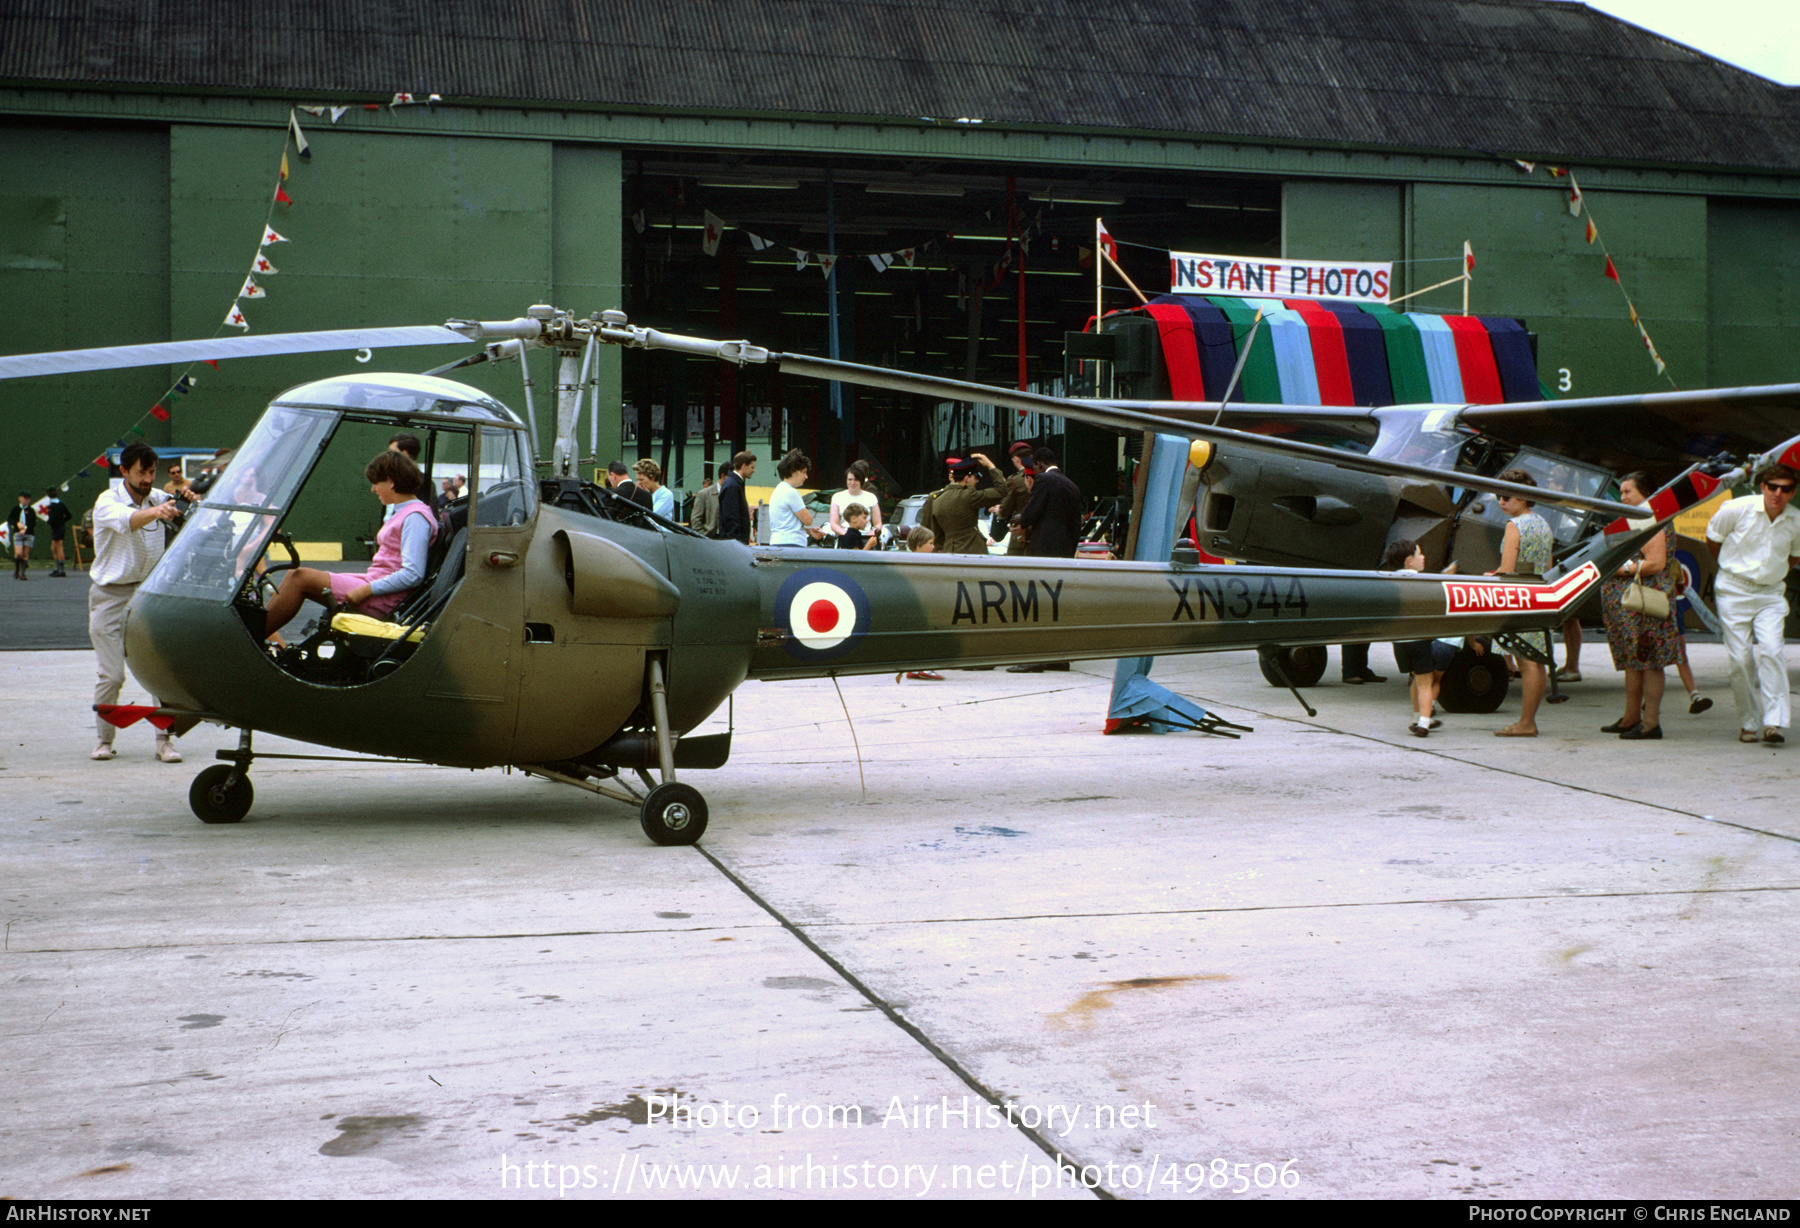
(1564, 380)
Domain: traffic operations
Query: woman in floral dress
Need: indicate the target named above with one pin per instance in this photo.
(1528, 546)
(1642, 646)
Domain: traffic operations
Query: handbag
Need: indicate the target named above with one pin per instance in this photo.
(1650, 602)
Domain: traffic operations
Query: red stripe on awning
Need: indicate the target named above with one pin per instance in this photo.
(1330, 361)
(1475, 356)
(1181, 352)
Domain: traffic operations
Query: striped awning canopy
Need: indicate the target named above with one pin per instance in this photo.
(1320, 352)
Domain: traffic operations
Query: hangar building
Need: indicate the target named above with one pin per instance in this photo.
(468, 159)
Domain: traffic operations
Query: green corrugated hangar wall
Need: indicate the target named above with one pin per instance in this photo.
(120, 235)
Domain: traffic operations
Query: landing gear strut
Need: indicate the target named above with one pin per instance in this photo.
(673, 813)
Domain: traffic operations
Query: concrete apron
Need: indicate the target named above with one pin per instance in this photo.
(1328, 959)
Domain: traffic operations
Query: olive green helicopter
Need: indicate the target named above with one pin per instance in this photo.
(572, 634)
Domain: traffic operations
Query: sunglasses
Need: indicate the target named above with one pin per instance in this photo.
(1786, 488)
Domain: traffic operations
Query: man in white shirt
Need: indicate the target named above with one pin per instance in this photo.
(128, 540)
(1756, 539)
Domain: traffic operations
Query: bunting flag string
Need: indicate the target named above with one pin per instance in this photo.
(713, 229)
(1609, 269)
(162, 410)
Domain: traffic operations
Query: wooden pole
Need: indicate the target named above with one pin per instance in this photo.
(1125, 275)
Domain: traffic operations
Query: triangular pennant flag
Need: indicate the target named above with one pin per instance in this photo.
(826, 263)
(1611, 271)
(801, 259)
(160, 412)
(1468, 258)
(1525, 166)
(1574, 197)
(284, 169)
(401, 100)
(882, 261)
(907, 255)
(637, 221)
(127, 715)
(313, 110)
(1592, 234)
(1632, 308)
(282, 196)
(1557, 172)
(715, 231)
(269, 236)
(99, 460)
(185, 385)
(337, 113)
(252, 290)
(261, 265)
(757, 242)
(235, 318)
(300, 145)
(211, 362)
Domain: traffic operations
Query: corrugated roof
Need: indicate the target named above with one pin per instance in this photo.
(1534, 78)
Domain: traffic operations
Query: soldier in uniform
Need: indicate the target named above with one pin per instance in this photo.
(953, 513)
(1018, 494)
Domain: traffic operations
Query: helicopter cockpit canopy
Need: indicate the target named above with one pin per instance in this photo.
(299, 438)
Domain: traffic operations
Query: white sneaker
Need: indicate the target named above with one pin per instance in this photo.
(103, 751)
(165, 751)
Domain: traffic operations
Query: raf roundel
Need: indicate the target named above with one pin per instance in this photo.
(824, 611)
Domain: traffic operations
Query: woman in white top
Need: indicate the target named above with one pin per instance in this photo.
(853, 492)
(790, 524)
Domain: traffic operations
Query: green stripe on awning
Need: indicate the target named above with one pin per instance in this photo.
(1260, 382)
(1405, 355)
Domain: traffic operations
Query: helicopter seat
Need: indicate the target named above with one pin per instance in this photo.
(362, 627)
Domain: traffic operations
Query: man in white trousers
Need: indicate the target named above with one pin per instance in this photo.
(1756, 539)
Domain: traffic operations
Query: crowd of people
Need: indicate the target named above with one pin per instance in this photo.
(1755, 540)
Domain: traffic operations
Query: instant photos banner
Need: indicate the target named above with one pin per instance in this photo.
(1197, 273)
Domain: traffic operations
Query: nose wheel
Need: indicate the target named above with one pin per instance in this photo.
(222, 794)
(674, 814)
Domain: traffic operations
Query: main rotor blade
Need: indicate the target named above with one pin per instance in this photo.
(66, 362)
(1137, 420)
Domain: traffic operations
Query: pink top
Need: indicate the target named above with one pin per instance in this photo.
(387, 560)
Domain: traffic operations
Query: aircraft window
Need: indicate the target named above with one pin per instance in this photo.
(1558, 474)
(507, 485)
(209, 556)
(1411, 445)
(400, 394)
(268, 467)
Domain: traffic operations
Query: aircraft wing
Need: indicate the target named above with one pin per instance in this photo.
(1657, 430)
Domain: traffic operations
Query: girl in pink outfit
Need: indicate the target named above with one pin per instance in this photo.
(400, 550)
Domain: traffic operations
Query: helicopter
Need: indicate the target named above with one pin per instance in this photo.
(1282, 511)
(575, 635)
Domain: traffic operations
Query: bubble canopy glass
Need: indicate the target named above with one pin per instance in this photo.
(230, 529)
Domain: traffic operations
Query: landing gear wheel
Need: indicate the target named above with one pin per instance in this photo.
(674, 814)
(216, 798)
(1304, 665)
(1475, 682)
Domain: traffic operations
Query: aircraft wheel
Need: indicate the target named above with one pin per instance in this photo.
(1475, 682)
(674, 814)
(1304, 665)
(215, 798)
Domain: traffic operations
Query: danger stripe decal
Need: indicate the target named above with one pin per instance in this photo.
(1500, 596)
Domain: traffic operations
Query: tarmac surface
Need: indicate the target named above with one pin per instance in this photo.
(1327, 959)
